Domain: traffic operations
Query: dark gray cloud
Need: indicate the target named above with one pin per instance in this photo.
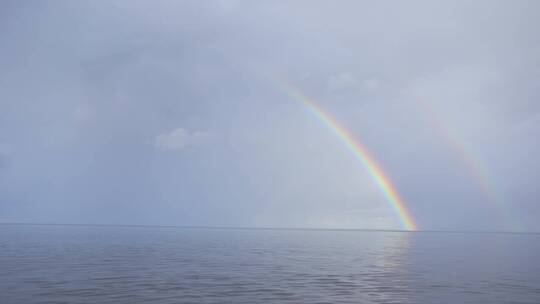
(166, 112)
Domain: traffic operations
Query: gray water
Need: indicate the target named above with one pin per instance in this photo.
(78, 264)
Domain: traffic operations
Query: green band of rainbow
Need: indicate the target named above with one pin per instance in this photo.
(362, 154)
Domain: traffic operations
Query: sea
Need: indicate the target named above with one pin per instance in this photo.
(114, 264)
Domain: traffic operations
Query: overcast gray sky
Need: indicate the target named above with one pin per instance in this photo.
(166, 112)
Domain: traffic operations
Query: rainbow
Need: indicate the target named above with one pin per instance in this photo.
(361, 153)
(474, 166)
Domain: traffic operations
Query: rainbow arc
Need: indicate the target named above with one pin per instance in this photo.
(362, 154)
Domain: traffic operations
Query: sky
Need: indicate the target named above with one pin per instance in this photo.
(175, 113)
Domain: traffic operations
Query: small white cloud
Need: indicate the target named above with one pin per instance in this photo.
(180, 139)
(371, 83)
(341, 82)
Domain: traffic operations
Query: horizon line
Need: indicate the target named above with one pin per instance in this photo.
(269, 228)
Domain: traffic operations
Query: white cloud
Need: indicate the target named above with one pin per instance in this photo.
(345, 82)
(179, 139)
(341, 82)
(371, 83)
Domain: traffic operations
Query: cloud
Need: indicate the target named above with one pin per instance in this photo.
(371, 83)
(180, 139)
(342, 82)
(347, 82)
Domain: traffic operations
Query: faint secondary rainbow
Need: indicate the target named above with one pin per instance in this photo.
(474, 166)
(361, 153)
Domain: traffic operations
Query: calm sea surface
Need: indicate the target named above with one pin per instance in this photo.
(77, 264)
